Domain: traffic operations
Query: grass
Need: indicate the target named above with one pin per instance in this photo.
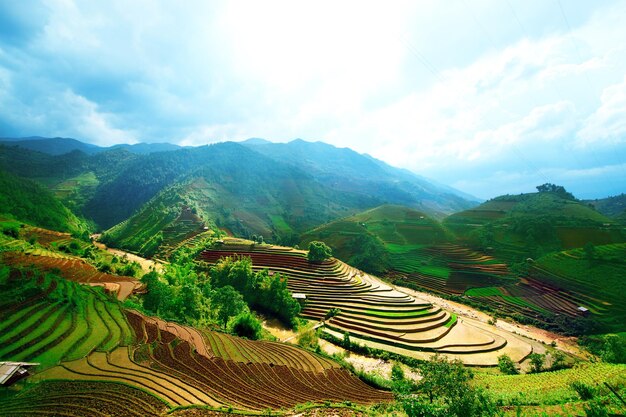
(398, 314)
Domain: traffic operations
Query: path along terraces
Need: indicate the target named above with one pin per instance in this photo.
(373, 312)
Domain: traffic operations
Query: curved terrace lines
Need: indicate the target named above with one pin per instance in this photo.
(372, 310)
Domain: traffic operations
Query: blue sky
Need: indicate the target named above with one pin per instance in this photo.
(490, 97)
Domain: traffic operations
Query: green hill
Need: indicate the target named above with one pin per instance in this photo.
(380, 239)
(30, 202)
(610, 206)
(597, 272)
(515, 227)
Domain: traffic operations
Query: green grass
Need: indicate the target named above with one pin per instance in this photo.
(452, 321)
(549, 387)
(398, 314)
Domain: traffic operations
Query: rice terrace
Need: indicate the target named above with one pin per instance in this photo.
(312, 209)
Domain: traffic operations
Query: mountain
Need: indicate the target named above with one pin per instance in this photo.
(228, 186)
(610, 206)
(29, 202)
(376, 240)
(530, 225)
(147, 148)
(60, 146)
(274, 190)
(346, 170)
(51, 146)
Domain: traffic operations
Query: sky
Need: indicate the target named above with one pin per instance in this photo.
(488, 96)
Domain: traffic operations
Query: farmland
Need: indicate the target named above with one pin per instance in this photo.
(78, 333)
(372, 311)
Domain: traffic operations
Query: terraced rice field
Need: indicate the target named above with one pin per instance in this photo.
(370, 309)
(184, 366)
(79, 398)
(73, 269)
(59, 320)
(449, 269)
(183, 228)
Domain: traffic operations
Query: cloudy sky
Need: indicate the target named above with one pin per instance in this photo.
(489, 96)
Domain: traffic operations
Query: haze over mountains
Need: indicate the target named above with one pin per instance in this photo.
(254, 187)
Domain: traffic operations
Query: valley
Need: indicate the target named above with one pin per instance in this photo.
(143, 277)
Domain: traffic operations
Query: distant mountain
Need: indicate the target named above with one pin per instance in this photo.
(60, 146)
(530, 225)
(52, 146)
(274, 190)
(147, 148)
(346, 170)
(29, 202)
(610, 206)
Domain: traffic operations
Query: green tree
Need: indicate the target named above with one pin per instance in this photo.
(590, 251)
(319, 251)
(536, 362)
(445, 391)
(397, 373)
(556, 189)
(558, 360)
(246, 325)
(227, 302)
(506, 365)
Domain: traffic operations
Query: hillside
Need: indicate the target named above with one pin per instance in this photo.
(60, 146)
(30, 202)
(377, 240)
(610, 206)
(348, 170)
(529, 225)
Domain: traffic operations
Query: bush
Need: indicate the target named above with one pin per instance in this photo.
(246, 325)
(536, 362)
(397, 374)
(308, 339)
(506, 365)
(11, 231)
(319, 251)
(584, 391)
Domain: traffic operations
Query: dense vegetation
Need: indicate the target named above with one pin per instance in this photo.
(30, 202)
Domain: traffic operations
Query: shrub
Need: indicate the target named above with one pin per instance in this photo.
(397, 373)
(536, 362)
(584, 391)
(506, 365)
(319, 251)
(11, 231)
(246, 325)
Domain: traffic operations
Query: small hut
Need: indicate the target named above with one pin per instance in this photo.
(11, 372)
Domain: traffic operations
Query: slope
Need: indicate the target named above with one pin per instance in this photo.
(380, 239)
(529, 225)
(347, 170)
(29, 202)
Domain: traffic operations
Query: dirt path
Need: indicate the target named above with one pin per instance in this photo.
(146, 264)
(567, 344)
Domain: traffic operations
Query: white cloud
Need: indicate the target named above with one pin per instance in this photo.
(607, 125)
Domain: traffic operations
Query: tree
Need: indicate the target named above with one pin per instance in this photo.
(397, 373)
(246, 325)
(319, 251)
(506, 365)
(558, 360)
(227, 302)
(346, 341)
(590, 251)
(445, 386)
(536, 362)
(559, 190)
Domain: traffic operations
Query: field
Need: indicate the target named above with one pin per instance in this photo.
(550, 387)
(77, 333)
(372, 311)
(48, 320)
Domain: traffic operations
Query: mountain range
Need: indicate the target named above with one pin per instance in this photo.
(253, 187)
